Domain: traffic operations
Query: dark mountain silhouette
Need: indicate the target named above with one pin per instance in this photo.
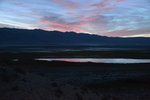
(10, 36)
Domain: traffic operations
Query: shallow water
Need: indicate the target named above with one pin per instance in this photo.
(98, 60)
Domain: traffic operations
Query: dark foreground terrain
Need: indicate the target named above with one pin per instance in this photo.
(23, 78)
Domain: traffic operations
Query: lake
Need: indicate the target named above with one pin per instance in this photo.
(98, 60)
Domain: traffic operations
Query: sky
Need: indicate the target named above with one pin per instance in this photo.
(114, 18)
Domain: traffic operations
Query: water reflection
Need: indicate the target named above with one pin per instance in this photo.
(98, 60)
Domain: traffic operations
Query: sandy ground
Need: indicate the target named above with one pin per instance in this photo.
(26, 83)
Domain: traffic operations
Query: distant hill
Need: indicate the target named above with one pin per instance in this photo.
(10, 36)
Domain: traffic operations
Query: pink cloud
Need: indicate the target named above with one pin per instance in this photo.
(63, 27)
(72, 13)
(67, 4)
(127, 32)
(87, 18)
(103, 6)
(71, 6)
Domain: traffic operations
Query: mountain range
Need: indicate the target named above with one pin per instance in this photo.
(12, 36)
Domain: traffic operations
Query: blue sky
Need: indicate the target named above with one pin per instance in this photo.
(123, 18)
